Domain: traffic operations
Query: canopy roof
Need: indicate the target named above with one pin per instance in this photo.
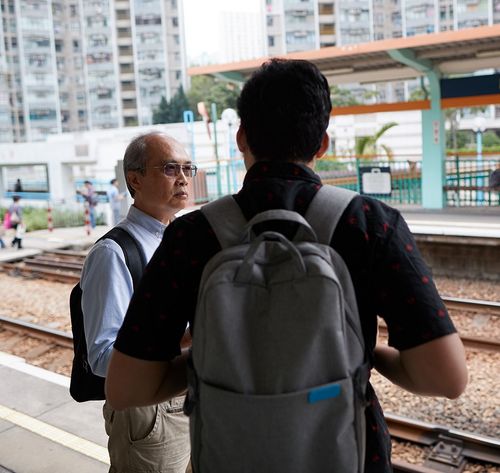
(450, 52)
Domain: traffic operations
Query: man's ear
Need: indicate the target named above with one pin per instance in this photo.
(325, 143)
(241, 139)
(133, 180)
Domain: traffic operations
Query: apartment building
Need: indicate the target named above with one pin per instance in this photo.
(297, 25)
(74, 65)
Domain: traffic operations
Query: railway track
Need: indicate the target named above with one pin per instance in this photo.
(58, 265)
(449, 448)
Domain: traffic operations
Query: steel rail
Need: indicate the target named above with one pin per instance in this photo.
(468, 340)
(57, 337)
(472, 305)
(475, 447)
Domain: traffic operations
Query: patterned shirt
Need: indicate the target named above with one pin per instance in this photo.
(390, 278)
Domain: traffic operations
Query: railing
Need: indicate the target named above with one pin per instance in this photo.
(466, 180)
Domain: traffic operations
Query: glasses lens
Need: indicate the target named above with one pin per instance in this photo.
(189, 170)
(173, 170)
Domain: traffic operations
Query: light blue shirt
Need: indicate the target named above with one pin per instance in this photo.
(107, 286)
(114, 197)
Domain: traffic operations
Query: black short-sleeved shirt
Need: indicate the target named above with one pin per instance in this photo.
(389, 275)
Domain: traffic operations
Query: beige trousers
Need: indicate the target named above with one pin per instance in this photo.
(152, 439)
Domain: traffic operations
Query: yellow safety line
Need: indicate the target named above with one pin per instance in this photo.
(59, 436)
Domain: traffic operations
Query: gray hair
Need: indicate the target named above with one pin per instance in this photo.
(135, 156)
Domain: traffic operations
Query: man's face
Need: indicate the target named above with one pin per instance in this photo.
(158, 193)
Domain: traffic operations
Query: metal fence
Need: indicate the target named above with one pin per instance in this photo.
(466, 182)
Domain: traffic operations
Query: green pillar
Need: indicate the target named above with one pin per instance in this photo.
(433, 133)
(433, 149)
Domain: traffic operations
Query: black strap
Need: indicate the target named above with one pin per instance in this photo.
(134, 258)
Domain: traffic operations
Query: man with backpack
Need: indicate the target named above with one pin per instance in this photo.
(281, 285)
(153, 438)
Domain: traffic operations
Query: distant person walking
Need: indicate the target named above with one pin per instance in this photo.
(16, 221)
(90, 196)
(115, 200)
(494, 183)
(18, 187)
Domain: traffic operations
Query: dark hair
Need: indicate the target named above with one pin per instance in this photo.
(87, 182)
(285, 110)
(113, 181)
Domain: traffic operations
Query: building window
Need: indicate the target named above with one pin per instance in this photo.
(270, 41)
(175, 21)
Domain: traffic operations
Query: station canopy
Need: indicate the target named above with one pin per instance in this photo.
(448, 53)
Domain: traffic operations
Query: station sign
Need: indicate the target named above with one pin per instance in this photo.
(470, 86)
(375, 180)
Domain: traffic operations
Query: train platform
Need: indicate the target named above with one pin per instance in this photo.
(480, 222)
(42, 429)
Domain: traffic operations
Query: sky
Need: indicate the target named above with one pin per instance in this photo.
(200, 22)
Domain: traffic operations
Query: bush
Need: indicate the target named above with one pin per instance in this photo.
(36, 218)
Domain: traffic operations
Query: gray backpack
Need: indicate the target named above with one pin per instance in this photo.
(278, 373)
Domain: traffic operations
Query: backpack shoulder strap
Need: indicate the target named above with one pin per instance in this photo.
(325, 210)
(134, 258)
(226, 219)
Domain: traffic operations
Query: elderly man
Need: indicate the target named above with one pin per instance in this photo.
(157, 171)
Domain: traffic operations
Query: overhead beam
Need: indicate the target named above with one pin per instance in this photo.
(230, 76)
(407, 56)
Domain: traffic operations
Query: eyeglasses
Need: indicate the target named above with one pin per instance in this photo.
(174, 169)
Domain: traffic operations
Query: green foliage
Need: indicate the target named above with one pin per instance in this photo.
(491, 139)
(342, 97)
(209, 90)
(35, 218)
(367, 145)
(173, 111)
(461, 139)
(417, 94)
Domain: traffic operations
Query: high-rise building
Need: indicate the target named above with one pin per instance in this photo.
(71, 65)
(297, 25)
(239, 37)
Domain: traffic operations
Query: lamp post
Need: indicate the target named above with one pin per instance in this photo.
(479, 127)
(230, 117)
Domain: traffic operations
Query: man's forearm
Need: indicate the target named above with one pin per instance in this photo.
(131, 382)
(387, 362)
(175, 380)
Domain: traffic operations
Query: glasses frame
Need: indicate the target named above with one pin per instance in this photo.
(178, 169)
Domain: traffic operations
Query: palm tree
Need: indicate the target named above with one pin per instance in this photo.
(367, 145)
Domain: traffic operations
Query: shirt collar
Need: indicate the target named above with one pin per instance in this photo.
(146, 221)
(283, 170)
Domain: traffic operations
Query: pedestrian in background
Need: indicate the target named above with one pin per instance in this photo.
(90, 197)
(18, 187)
(115, 200)
(16, 221)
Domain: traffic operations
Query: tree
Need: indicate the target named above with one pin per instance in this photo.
(490, 139)
(162, 113)
(173, 111)
(210, 90)
(367, 145)
(342, 97)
